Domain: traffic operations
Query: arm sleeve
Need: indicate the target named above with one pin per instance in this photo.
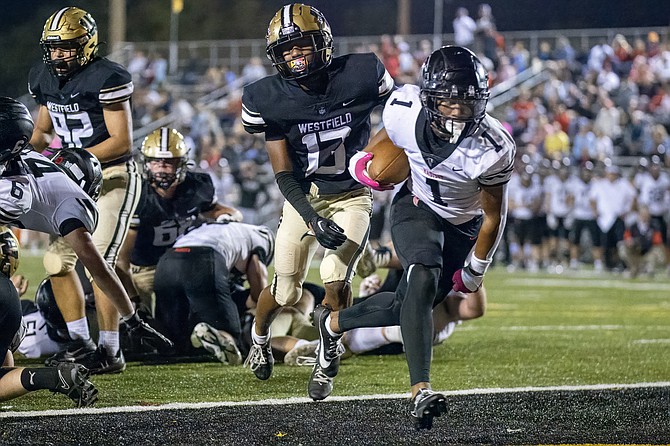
(294, 194)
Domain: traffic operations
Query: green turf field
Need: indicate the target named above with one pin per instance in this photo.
(539, 330)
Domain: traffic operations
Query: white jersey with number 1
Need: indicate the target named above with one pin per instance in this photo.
(448, 182)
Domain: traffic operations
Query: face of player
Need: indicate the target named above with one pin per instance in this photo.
(298, 54)
(163, 172)
(65, 57)
(454, 115)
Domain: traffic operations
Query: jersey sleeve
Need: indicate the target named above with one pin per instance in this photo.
(501, 143)
(83, 210)
(34, 84)
(117, 88)
(15, 199)
(403, 106)
(385, 83)
(252, 120)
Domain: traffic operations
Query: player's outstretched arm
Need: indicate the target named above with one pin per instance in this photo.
(104, 276)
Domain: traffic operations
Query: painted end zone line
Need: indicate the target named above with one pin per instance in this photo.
(303, 400)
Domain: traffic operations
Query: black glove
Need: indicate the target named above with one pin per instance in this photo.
(327, 232)
(146, 335)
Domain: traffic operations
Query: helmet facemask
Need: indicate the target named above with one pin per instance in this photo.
(304, 64)
(155, 170)
(72, 61)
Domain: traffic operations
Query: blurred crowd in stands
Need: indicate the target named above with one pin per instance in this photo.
(602, 112)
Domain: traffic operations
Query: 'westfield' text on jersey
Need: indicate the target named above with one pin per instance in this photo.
(328, 124)
(62, 108)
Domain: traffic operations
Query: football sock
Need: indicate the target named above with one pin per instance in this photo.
(39, 378)
(392, 333)
(361, 340)
(331, 332)
(79, 329)
(109, 340)
(258, 339)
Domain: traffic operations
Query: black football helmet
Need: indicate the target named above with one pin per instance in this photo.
(72, 29)
(301, 25)
(82, 167)
(16, 128)
(9, 252)
(46, 304)
(454, 92)
(168, 145)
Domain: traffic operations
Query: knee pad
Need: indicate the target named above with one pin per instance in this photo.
(58, 263)
(287, 290)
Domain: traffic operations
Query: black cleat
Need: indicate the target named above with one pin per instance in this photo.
(425, 406)
(330, 348)
(99, 362)
(320, 385)
(73, 382)
(260, 360)
(74, 351)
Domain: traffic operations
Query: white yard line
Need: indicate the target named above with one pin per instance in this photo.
(575, 283)
(652, 341)
(302, 400)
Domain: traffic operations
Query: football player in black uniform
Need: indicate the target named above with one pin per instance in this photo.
(315, 113)
(446, 222)
(85, 101)
(69, 379)
(172, 199)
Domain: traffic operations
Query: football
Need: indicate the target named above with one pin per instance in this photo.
(389, 165)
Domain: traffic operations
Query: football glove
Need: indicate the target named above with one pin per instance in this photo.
(146, 335)
(469, 278)
(358, 168)
(466, 280)
(327, 232)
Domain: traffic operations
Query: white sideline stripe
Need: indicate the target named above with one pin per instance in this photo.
(303, 400)
(572, 282)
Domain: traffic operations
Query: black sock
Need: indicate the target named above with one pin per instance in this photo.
(39, 378)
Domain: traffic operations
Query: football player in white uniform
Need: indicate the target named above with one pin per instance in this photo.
(36, 194)
(205, 310)
(446, 221)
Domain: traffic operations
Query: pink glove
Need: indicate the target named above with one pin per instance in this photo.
(358, 168)
(465, 281)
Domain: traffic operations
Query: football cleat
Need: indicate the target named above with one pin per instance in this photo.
(331, 348)
(209, 338)
(260, 360)
(320, 385)
(73, 382)
(100, 362)
(425, 406)
(74, 352)
(304, 354)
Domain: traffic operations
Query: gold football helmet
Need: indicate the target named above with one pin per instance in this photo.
(70, 29)
(299, 25)
(164, 146)
(9, 252)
